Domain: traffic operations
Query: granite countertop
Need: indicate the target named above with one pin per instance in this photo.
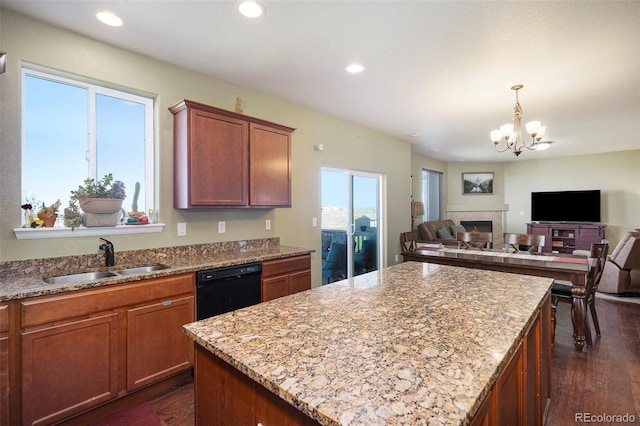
(414, 343)
(30, 282)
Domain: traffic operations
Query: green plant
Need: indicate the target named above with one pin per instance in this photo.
(136, 194)
(72, 216)
(104, 188)
(51, 211)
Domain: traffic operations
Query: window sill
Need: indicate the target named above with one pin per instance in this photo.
(63, 232)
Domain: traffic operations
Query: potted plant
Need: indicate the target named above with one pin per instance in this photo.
(101, 200)
(49, 214)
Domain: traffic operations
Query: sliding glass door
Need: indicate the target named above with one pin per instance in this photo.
(351, 223)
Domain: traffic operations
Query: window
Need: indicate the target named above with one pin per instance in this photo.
(431, 183)
(73, 130)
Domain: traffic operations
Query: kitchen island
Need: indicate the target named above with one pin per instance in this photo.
(415, 343)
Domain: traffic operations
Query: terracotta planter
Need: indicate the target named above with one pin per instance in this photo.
(48, 221)
(100, 205)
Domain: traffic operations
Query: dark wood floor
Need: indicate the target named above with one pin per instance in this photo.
(603, 380)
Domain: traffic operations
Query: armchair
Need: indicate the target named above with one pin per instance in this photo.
(621, 272)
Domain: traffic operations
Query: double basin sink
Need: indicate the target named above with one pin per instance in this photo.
(90, 276)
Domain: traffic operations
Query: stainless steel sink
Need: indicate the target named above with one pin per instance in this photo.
(90, 276)
(74, 278)
(142, 269)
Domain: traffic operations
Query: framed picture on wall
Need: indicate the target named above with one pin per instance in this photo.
(477, 183)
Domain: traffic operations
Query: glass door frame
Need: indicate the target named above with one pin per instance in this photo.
(351, 173)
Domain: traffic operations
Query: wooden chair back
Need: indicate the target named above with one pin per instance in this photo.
(533, 242)
(480, 240)
(408, 241)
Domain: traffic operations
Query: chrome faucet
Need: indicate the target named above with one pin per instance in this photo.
(109, 254)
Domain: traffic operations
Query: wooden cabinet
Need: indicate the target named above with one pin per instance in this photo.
(84, 348)
(282, 277)
(156, 346)
(567, 237)
(68, 368)
(224, 396)
(4, 364)
(225, 159)
(521, 394)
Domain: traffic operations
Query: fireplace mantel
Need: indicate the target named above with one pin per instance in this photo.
(477, 207)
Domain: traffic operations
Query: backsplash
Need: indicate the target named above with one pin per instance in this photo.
(68, 264)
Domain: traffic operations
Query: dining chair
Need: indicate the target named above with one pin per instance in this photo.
(561, 290)
(408, 240)
(480, 240)
(533, 242)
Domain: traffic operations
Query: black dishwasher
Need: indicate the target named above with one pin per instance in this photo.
(227, 289)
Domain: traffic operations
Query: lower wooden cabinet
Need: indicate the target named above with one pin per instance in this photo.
(84, 348)
(69, 368)
(156, 347)
(521, 395)
(4, 364)
(282, 277)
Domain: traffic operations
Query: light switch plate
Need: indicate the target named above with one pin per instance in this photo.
(268, 224)
(182, 229)
(222, 227)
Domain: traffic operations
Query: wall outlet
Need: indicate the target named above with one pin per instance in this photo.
(222, 227)
(397, 258)
(182, 229)
(267, 224)
(314, 222)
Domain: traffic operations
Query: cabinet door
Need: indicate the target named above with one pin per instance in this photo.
(218, 160)
(586, 235)
(69, 368)
(156, 346)
(509, 389)
(534, 228)
(4, 365)
(275, 287)
(270, 166)
(299, 281)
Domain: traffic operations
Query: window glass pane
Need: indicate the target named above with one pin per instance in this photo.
(74, 130)
(55, 129)
(431, 194)
(120, 146)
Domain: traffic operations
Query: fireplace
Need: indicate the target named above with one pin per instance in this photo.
(477, 225)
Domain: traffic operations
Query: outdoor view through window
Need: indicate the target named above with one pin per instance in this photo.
(73, 130)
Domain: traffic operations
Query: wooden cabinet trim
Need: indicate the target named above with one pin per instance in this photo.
(44, 309)
(286, 265)
(186, 103)
(4, 318)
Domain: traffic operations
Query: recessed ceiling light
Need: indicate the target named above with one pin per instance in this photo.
(251, 8)
(109, 19)
(355, 68)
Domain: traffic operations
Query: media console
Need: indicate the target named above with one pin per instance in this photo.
(567, 237)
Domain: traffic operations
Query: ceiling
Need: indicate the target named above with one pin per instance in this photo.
(438, 73)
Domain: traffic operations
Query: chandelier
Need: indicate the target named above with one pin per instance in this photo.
(512, 135)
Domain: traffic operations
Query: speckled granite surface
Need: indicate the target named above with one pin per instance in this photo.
(22, 279)
(413, 344)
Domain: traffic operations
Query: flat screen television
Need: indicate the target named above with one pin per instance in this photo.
(566, 206)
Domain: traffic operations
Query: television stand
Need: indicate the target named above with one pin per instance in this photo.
(567, 237)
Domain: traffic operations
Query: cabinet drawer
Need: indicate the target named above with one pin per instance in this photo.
(285, 266)
(84, 302)
(4, 318)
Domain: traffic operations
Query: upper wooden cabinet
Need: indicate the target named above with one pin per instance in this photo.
(225, 159)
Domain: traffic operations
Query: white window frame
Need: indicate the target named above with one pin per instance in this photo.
(93, 89)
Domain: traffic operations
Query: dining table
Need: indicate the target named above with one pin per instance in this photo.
(560, 266)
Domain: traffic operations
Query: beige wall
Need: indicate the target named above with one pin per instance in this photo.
(345, 145)
(616, 174)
